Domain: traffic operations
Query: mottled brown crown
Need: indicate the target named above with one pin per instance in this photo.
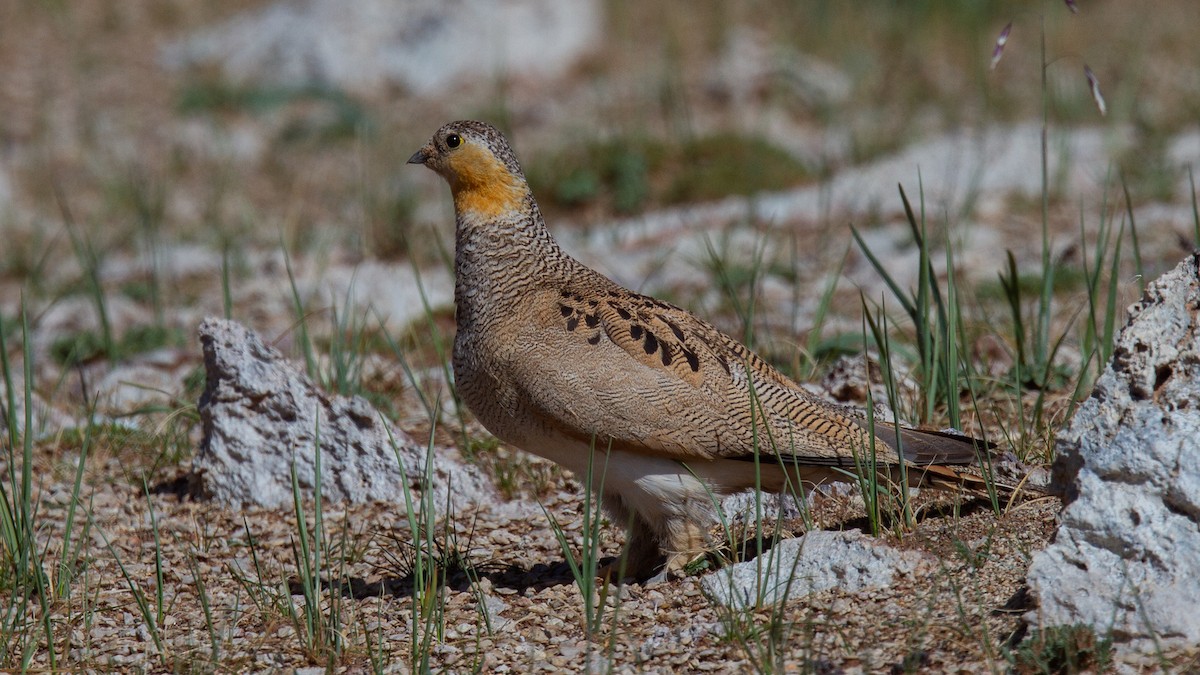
(486, 134)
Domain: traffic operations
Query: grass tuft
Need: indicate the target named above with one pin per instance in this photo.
(1064, 650)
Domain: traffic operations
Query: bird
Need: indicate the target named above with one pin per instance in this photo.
(668, 413)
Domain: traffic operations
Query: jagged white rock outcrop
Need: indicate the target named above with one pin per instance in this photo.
(426, 46)
(1126, 557)
(260, 415)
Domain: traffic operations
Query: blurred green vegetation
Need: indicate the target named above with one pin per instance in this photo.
(84, 346)
(316, 113)
(634, 173)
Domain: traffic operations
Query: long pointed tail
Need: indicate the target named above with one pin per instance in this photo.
(951, 461)
(968, 480)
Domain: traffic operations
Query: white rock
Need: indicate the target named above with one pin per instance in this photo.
(392, 293)
(1184, 150)
(175, 261)
(150, 379)
(260, 415)
(495, 607)
(78, 314)
(1126, 555)
(954, 169)
(47, 420)
(237, 142)
(818, 561)
(427, 46)
(750, 67)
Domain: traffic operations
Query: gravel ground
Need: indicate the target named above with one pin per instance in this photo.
(519, 609)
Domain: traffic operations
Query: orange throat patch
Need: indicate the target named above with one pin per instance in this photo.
(483, 187)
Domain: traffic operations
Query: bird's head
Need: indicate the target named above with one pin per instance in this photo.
(477, 162)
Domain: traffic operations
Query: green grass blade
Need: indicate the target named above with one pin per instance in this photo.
(1195, 210)
(820, 315)
(139, 598)
(226, 285)
(69, 556)
(306, 346)
(159, 613)
(1138, 267)
(899, 294)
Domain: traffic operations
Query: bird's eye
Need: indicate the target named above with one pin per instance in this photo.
(453, 141)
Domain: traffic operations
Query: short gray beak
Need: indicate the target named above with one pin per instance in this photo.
(419, 157)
